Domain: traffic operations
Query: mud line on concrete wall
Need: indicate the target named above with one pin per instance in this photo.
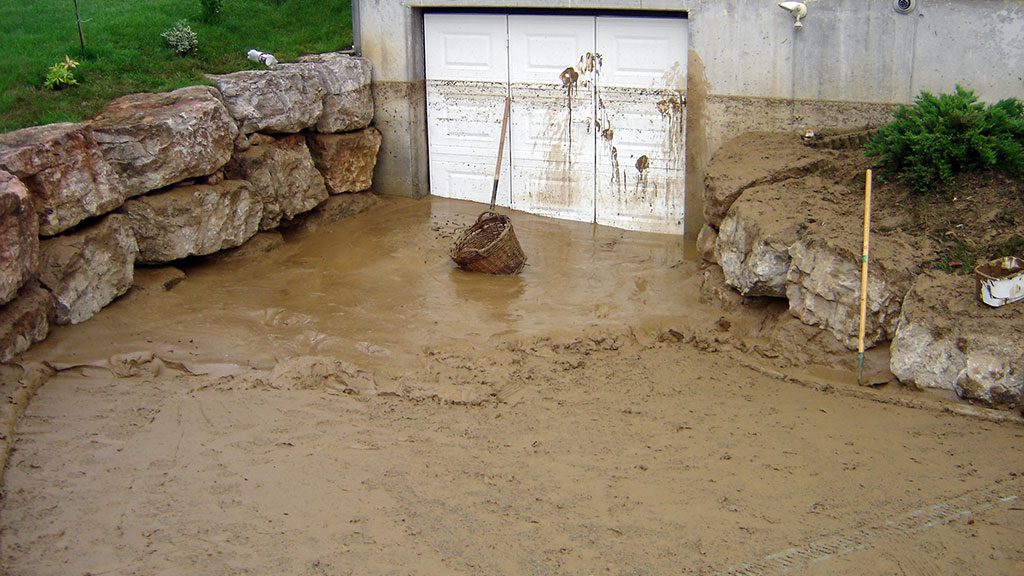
(1001, 493)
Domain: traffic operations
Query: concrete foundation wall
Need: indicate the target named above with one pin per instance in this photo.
(850, 64)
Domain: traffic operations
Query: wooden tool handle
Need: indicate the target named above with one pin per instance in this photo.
(501, 151)
(864, 273)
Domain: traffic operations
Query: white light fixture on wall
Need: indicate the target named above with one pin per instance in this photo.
(797, 9)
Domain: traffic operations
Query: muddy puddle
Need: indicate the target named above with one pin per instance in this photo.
(380, 286)
(350, 403)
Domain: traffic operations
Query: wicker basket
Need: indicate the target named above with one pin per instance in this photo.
(489, 246)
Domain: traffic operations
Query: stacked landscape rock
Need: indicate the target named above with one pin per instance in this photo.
(283, 176)
(154, 140)
(88, 269)
(19, 237)
(346, 160)
(781, 231)
(63, 168)
(948, 340)
(155, 178)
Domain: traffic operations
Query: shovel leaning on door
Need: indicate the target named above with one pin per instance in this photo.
(490, 245)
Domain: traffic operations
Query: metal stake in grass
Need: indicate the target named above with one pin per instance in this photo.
(81, 35)
(864, 276)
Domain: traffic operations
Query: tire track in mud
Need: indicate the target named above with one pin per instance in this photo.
(974, 503)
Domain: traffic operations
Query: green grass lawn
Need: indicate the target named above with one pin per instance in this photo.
(125, 52)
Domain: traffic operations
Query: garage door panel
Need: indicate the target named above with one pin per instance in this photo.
(542, 47)
(552, 151)
(466, 47)
(465, 116)
(555, 190)
(469, 181)
(643, 52)
(641, 162)
(467, 71)
(552, 116)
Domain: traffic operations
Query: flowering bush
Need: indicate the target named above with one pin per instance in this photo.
(181, 38)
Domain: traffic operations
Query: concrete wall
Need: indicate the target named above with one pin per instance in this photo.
(749, 68)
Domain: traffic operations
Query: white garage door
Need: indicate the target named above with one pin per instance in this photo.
(597, 127)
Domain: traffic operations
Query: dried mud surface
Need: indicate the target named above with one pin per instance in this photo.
(348, 403)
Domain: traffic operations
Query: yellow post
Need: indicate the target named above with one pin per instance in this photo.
(864, 275)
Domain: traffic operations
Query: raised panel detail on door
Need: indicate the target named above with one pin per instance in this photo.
(552, 115)
(641, 114)
(467, 81)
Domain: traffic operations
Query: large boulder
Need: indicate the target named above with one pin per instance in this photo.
(328, 92)
(947, 339)
(755, 159)
(86, 270)
(347, 100)
(286, 99)
(754, 238)
(19, 237)
(62, 166)
(283, 176)
(25, 320)
(823, 283)
(346, 160)
(154, 140)
(193, 220)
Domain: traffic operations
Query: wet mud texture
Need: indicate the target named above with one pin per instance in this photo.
(350, 403)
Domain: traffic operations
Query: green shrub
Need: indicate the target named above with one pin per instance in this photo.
(181, 38)
(940, 136)
(60, 75)
(211, 9)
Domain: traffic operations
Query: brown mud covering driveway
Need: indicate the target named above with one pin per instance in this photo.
(348, 403)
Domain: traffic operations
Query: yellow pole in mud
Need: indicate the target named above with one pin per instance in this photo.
(864, 275)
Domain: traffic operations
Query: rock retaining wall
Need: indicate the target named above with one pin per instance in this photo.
(158, 177)
(781, 223)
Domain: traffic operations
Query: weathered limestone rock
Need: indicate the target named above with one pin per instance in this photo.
(346, 160)
(337, 208)
(86, 270)
(25, 320)
(707, 243)
(154, 140)
(19, 237)
(283, 176)
(823, 283)
(755, 159)
(62, 166)
(328, 92)
(286, 99)
(754, 239)
(348, 100)
(947, 339)
(193, 220)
